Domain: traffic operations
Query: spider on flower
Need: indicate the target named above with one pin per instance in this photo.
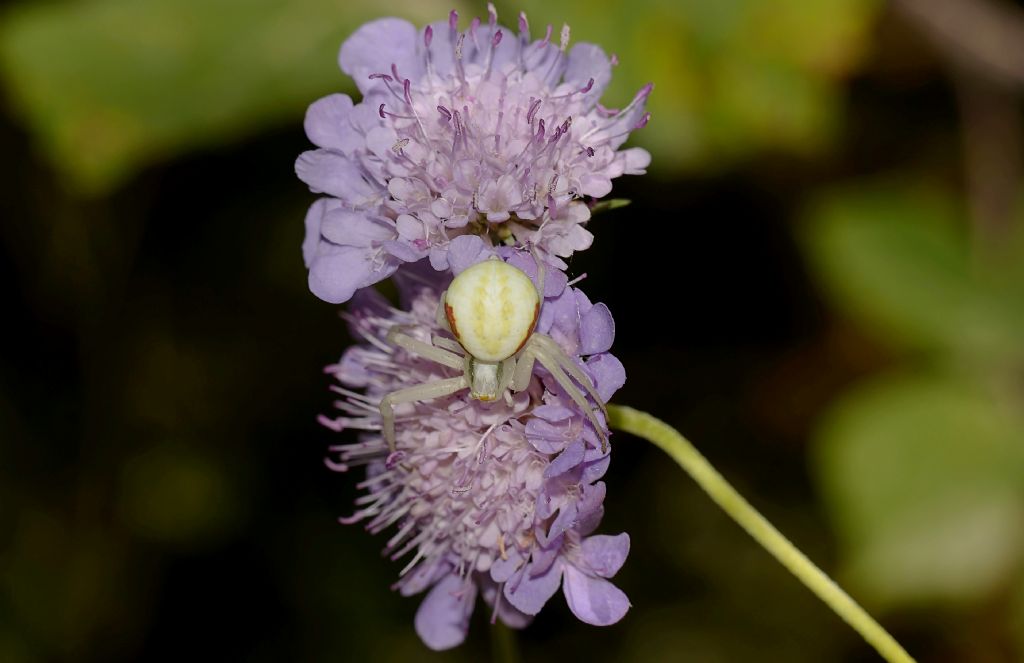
(491, 309)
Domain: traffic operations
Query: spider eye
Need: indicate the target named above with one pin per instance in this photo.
(492, 308)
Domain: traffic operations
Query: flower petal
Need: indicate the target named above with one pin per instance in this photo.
(568, 459)
(334, 174)
(588, 61)
(528, 593)
(608, 373)
(443, 617)
(375, 46)
(314, 218)
(348, 228)
(337, 271)
(605, 554)
(327, 124)
(593, 600)
(466, 251)
(597, 330)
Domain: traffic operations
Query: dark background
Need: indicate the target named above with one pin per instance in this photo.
(162, 490)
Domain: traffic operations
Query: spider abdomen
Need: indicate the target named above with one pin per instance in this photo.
(492, 308)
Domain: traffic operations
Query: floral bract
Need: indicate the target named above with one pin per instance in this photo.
(493, 499)
(478, 131)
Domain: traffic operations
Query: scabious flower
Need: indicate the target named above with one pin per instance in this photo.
(496, 499)
(478, 131)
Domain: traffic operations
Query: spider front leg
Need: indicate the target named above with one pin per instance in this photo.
(421, 392)
(425, 350)
(543, 348)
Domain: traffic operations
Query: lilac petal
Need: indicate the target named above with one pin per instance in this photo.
(552, 413)
(634, 160)
(554, 279)
(543, 558)
(423, 577)
(337, 271)
(529, 593)
(491, 591)
(596, 468)
(608, 373)
(512, 617)
(597, 330)
(606, 554)
(443, 618)
(566, 520)
(567, 460)
(314, 217)
(333, 174)
(596, 185)
(439, 258)
(588, 61)
(503, 569)
(375, 46)
(546, 437)
(593, 600)
(327, 124)
(403, 250)
(586, 524)
(465, 251)
(348, 228)
(592, 498)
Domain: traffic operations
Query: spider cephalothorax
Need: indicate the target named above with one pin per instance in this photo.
(491, 309)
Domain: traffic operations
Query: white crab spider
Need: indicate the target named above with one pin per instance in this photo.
(491, 309)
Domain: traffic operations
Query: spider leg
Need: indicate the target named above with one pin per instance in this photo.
(447, 344)
(570, 367)
(425, 350)
(440, 317)
(537, 351)
(420, 392)
(541, 271)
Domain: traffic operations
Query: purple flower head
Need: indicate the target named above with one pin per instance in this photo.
(478, 131)
(497, 499)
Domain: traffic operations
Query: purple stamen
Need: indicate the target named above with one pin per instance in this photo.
(453, 20)
(524, 26)
(496, 39)
(383, 77)
(642, 122)
(534, 105)
(407, 90)
(587, 87)
(444, 111)
(380, 111)
(428, 36)
(547, 36)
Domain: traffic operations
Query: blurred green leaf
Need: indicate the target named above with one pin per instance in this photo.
(925, 478)
(111, 85)
(732, 77)
(897, 258)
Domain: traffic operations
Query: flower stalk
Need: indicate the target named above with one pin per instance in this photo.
(643, 425)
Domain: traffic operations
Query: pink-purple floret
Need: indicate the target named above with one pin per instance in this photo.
(459, 132)
(526, 473)
(471, 145)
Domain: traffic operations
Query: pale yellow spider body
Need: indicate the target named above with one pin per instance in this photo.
(491, 308)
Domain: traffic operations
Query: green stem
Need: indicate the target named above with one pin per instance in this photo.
(683, 452)
(504, 648)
